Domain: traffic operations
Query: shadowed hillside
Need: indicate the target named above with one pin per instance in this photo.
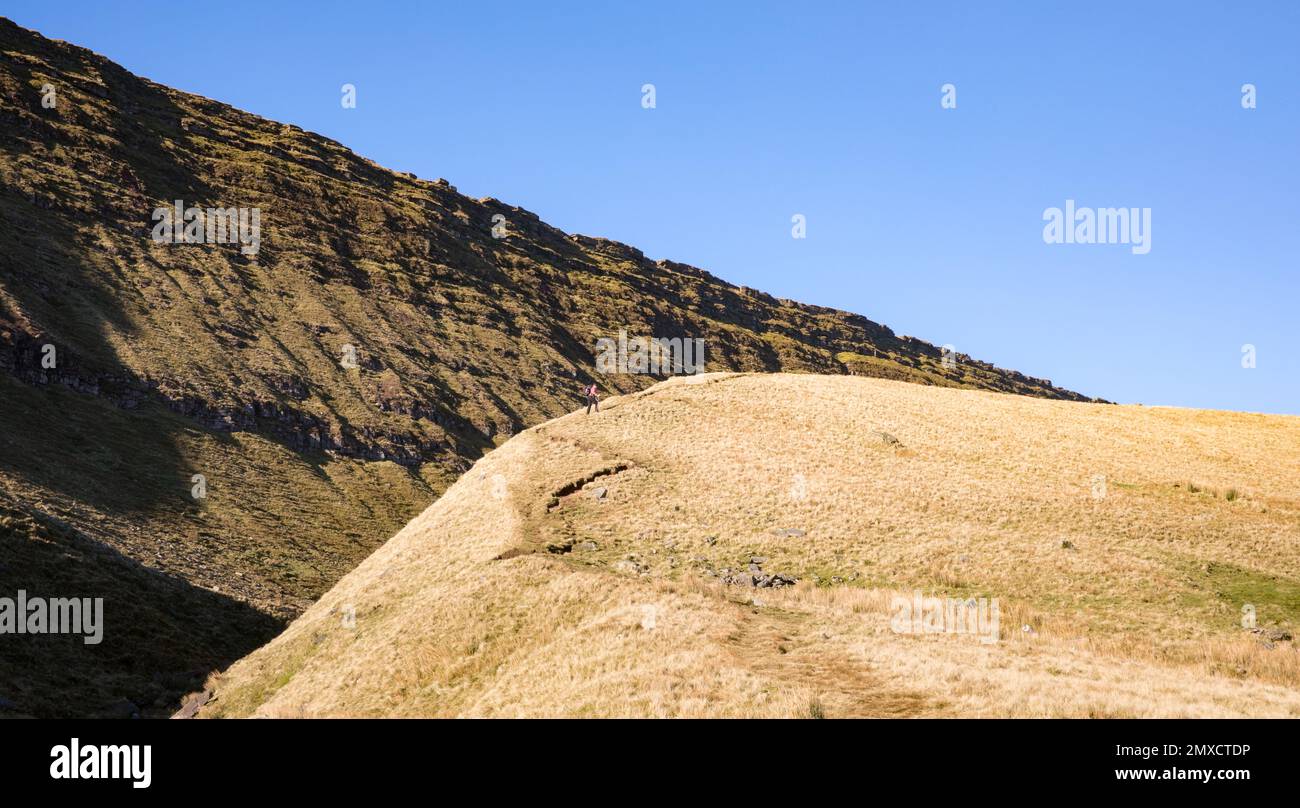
(731, 545)
(128, 367)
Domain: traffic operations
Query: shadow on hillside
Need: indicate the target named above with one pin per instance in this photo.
(89, 450)
(75, 224)
(160, 638)
(71, 228)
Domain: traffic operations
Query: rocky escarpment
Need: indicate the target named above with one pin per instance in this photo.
(468, 319)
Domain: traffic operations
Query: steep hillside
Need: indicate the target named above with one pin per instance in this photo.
(606, 565)
(128, 366)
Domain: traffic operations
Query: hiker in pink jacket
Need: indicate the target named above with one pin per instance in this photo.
(592, 399)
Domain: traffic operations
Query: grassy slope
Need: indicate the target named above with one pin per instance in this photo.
(195, 359)
(493, 603)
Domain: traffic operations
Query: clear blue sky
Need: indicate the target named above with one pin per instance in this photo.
(925, 219)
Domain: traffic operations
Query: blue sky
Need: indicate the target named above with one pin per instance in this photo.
(926, 219)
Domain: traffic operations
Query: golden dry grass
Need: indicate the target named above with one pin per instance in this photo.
(495, 602)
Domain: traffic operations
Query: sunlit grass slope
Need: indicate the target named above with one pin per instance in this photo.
(578, 569)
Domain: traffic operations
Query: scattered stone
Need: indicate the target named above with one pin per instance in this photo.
(190, 706)
(759, 580)
(758, 559)
(588, 546)
(1066, 544)
(710, 540)
(1272, 634)
(887, 439)
(599, 493)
